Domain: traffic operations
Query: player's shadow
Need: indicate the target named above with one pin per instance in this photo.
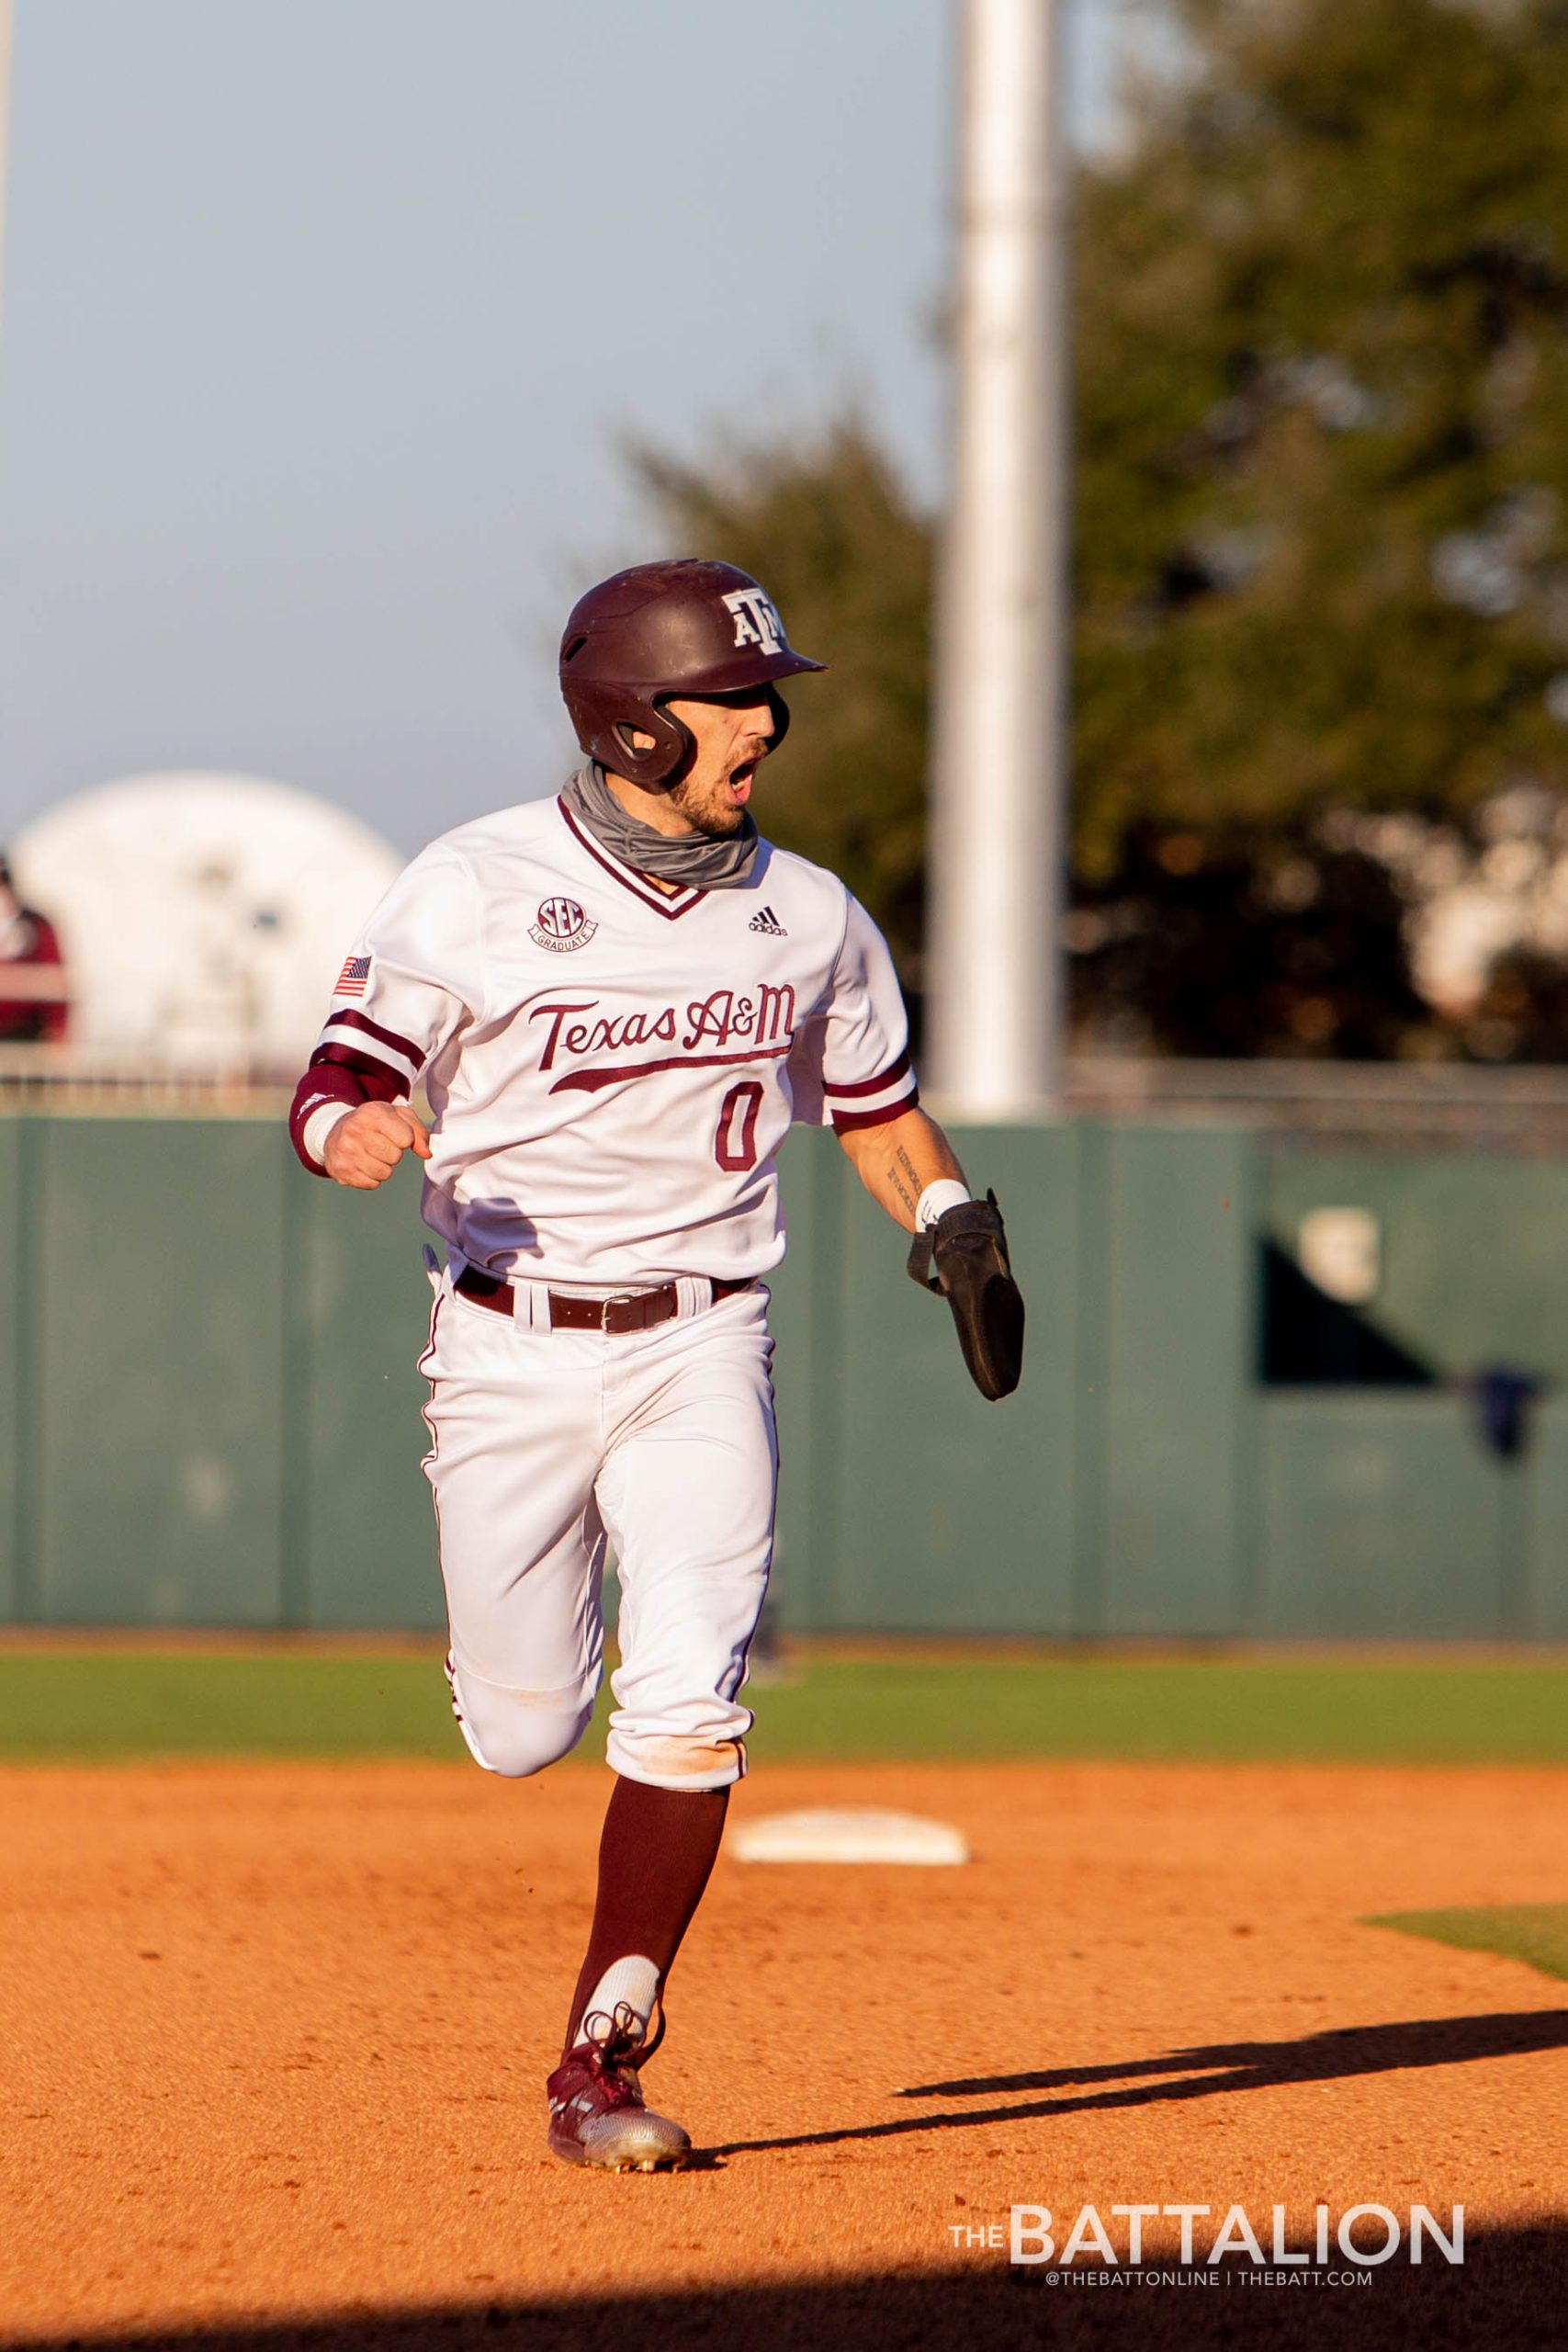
(1217, 2068)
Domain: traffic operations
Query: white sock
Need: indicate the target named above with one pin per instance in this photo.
(632, 1983)
(946, 1193)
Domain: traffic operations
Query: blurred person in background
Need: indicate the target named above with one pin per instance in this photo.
(34, 1002)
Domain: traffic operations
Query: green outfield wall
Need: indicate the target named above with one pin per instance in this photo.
(210, 1410)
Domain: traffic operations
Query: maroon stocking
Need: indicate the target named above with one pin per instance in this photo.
(655, 1856)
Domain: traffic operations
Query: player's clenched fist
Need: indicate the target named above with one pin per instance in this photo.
(363, 1149)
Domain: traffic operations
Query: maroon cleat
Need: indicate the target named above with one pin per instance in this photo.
(597, 2116)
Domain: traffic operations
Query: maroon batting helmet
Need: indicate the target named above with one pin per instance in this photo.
(682, 626)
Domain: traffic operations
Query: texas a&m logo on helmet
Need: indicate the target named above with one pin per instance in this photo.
(756, 620)
(560, 925)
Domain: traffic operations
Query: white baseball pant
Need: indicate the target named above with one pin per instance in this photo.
(546, 1442)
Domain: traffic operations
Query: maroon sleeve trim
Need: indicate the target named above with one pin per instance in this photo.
(380, 1079)
(872, 1085)
(368, 1028)
(845, 1121)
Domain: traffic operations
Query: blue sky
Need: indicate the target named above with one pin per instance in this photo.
(324, 322)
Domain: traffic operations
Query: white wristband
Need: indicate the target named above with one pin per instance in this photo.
(318, 1127)
(946, 1194)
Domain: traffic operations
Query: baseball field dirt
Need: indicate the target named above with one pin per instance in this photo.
(274, 2036)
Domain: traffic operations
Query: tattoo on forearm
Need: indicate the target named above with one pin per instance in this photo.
(905, 1184)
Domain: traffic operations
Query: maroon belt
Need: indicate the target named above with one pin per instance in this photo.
(630, 1311)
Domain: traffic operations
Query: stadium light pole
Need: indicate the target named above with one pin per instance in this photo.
(995, 994)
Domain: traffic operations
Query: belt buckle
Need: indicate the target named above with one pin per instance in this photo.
(617, 1299)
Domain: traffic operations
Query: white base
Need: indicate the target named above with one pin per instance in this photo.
(848, 1834)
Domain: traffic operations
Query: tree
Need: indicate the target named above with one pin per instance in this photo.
(1321, 539)
(1321, 462)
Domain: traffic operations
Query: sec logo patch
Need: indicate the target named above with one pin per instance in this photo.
(560, 925)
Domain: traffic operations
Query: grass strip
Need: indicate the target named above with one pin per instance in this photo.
(109, 1705)
(1202, 1710)
(112, 1706)
(1536, 1933)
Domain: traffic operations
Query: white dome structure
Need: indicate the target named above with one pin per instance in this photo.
(203, 918)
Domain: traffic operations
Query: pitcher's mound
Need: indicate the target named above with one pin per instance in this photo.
(848, 1834)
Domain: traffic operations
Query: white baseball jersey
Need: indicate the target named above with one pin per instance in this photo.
(611, 1069)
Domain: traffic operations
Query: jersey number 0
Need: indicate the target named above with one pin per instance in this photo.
(736, 1152)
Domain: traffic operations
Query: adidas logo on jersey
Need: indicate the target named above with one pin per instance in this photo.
(767, 921)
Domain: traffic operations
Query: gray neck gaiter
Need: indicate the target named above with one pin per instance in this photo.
(697, 861)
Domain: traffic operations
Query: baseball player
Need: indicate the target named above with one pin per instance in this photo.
(617, 999)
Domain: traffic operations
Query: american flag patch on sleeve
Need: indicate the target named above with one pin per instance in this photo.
(351, 979)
